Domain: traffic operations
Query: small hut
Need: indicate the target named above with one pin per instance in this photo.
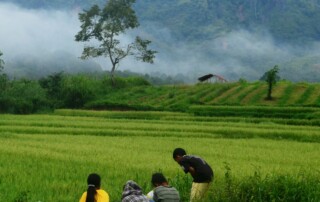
(208, 77)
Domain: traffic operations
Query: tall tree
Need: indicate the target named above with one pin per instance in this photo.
(271, 77)
(104, 26)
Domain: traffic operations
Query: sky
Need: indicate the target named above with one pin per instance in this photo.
(39, 33)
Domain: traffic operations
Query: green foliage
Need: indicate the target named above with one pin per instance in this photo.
(272, 187)
(3, 83)
(105, 25)
(183, 183)
(23, 197)
(53, 85)
(271, 77)
(125, 82)
(23, 97)
(77, 90)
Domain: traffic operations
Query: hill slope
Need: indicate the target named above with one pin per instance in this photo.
(181, 97)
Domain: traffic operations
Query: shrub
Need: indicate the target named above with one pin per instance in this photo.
(53, 86)
(78, 90)
(23, 97)
(272, 187)
(121, 82)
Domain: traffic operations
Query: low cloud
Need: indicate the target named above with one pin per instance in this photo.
(238, 54)
(36, 32)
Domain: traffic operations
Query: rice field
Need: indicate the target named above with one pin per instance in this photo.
(47, 157)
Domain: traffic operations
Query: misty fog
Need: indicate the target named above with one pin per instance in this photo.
(29, 34)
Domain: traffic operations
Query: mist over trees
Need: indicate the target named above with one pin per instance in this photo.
(235, 39)
(206, 19)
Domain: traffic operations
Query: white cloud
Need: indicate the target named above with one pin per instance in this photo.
(27, 31)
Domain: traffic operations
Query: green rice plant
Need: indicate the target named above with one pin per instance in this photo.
(118, 114)
(253, 111)
(279, 188)
(54, 167)
(210, 96)
(48, 157)
(203, 90)
(233, 92)
(245, 92)
(183, 184)
(286, 95)
(155, 124)
(223, 88)
(270, 187)
(306, 95)
(258, 96)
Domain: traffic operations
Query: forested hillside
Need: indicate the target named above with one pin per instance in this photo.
(288, 20)
(234, 38)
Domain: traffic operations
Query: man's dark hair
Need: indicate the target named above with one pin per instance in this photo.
(178, 152)
(158, 178)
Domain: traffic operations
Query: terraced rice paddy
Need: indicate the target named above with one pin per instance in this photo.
(48, 157)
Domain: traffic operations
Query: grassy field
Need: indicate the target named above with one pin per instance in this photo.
(48, 157)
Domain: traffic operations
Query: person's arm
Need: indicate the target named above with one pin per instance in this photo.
(155, 196)
(192, 171)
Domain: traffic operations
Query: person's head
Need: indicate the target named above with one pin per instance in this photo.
(131, 188)
(178, 153)
(158, 179)
(94, 182)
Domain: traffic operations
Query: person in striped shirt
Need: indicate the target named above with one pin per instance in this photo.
(163, 192)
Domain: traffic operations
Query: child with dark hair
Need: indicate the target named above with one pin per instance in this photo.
(200, 171)
(94, 193)
(163, 192)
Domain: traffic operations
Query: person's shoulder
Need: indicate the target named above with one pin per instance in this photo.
(103, 193)
(164, 188)
(187, 157)
(83, 197)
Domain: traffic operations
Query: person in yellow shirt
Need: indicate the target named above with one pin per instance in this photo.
(94, 193)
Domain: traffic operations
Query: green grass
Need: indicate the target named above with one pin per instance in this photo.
(48, 157)
(306, 95)
(181, 97)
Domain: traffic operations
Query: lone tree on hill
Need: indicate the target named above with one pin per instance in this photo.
(271, 77)
(104, 26)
